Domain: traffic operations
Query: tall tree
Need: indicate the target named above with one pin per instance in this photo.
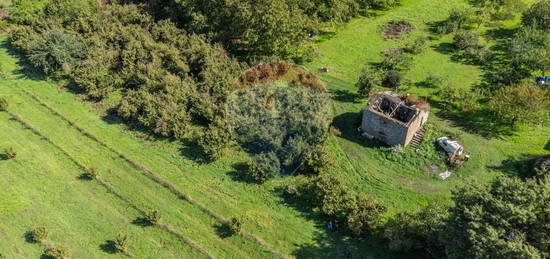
(523, 103)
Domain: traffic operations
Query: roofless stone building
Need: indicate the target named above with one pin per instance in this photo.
(395, 120)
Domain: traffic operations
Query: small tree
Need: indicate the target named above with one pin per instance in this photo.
(10, 153)
(395, 59)
(417, 46)
(265, 166)
(530, 48)
(523, 103)
(538, 15)
(121, 243)
(57, 252)
(3, 104)
(364, 215)
(466, 39)
(368, 80)
(214, 139)
(39, 235)
(92, 173)
(317, 162)
(235, 225)
(153, 217)
(392, 79)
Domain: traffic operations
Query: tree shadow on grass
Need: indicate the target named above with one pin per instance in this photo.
(521, 166)
(26, 70)
(240, 173)
(142, 222)
(348, 124)
(346, 96)
(29, 237)
(547, 147)
(223, 231)
(329, 244)
(192, 151)
(108, 247)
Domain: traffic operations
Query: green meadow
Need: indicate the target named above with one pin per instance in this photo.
(57, 134)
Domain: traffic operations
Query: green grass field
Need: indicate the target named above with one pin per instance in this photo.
(43, 187)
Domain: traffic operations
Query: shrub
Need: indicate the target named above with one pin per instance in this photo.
(364, 215)
(235, 224)
(458, 18)
(92, 173)
(410, 232)
(214, 139)
(39, 235)
(265, 166)
(466, 39)
(121, 243)
(57, 252)
(10, 153)
(317, 162)
(433, 81)
(392, 79)
(368, 80)
(153, 217)
(416, 46)
(3, 104)
(55, 50)
(395, 59)
(538, 15)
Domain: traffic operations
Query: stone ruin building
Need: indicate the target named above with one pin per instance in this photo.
(395, 120)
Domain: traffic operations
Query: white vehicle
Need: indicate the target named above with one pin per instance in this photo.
(450, 146)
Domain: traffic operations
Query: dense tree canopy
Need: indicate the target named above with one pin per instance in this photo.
(286, 119)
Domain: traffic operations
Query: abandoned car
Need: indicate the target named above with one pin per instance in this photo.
(395, 120)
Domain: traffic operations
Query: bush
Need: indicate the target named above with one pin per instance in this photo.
(57, 252)
(92, 173)
(538, 15)
(433, 81)
(10, 153)
(56, 50)
(153, 217)
(317, 162)
(466, 39)
(395, 59)
(413, 232)
(392, 79)
(368, 80)
(265, 166)
(3, 104)
(416, 46)
(39, 235)
(121, 243)
(328, 195)
(213, 140)
(458, 18)
(235, 224)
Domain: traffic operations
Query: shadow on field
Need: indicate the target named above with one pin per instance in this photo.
(348, 124)
(27, 71)
(223, 231)
(547, 147)
(330, 244)
(521, 166)
(240, 173)
(108, 247)
(192, 151)
(142, 222)
(345, 96)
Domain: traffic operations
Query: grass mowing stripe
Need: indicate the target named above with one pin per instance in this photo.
(151, 175)
(110, 188)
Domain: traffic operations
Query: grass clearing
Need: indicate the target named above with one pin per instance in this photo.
(43, 189)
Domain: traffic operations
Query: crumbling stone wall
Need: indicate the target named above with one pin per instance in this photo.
(383, 128)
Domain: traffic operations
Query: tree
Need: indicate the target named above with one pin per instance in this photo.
(57, 252)
(235, 224)
(530, 48)
(153, 217)
(265, 166)
(458, 18)
(10, 152)
(538, 16)
(508, 219)
(416, 232)
(281, 121)
(522, 103)
(368, 80)
(364, 215)
(39, 235)
(392, 79)
(21, 11)
(395, 59)
(121, 243)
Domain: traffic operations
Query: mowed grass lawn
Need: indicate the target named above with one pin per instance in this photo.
(403, 182)
(43, 188)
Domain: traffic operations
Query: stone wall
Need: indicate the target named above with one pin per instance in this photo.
(385, 129)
